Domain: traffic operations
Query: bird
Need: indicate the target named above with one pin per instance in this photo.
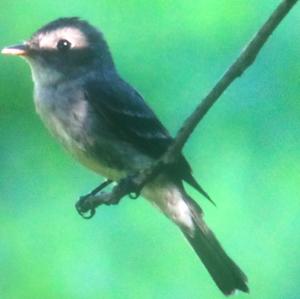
(108, 127)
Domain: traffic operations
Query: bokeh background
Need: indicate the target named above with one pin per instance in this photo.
(246, 153)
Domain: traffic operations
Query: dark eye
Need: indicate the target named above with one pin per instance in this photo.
(63, 45)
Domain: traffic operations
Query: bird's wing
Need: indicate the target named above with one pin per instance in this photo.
(132, 120)
(128, 115)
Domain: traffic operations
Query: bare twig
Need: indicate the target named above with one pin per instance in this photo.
(246, 58)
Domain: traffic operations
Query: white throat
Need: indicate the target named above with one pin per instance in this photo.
(42, 75)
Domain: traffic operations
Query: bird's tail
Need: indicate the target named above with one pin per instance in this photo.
(226, 274)
(176, 204)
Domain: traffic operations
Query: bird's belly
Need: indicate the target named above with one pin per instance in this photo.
(80, 146)
(97, 165)
(87, 136)
(94, 148)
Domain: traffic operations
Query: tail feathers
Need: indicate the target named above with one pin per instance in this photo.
(192, 181)
(226, 274)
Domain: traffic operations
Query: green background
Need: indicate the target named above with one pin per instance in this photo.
(245, 153)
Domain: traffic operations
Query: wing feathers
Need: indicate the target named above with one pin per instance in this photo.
(132, 120)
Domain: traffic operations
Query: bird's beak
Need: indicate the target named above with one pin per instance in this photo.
(17, 50)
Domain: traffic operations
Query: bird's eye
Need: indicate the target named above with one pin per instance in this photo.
(63, 45)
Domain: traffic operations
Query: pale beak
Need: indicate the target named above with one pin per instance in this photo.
(17, 50)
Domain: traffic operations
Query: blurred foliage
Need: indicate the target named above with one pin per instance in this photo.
(245, 153)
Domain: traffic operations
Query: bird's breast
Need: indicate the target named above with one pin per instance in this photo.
(64, 114)
(69, 118)
(81, 130)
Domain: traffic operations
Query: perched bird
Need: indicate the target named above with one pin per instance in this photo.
(105, 124)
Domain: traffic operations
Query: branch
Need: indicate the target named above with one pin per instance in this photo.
(135, 183)
(246, 59)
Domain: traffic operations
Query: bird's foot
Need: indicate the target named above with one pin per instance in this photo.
(99, 188)
(85, 206)
(130, 186)
(86, 203)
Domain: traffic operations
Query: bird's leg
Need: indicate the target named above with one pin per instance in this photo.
(129, 185)
(99, 188)
(84, 204)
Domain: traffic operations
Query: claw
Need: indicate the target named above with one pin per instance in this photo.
(91, 215)
(134, 195)
(128, 183)
(86, 205)
(83, 206)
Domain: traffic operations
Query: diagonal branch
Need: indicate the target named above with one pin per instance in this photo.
(246, 59)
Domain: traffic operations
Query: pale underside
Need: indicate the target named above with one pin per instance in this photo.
(162, 193)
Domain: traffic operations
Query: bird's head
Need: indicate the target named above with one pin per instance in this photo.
(62, 49)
